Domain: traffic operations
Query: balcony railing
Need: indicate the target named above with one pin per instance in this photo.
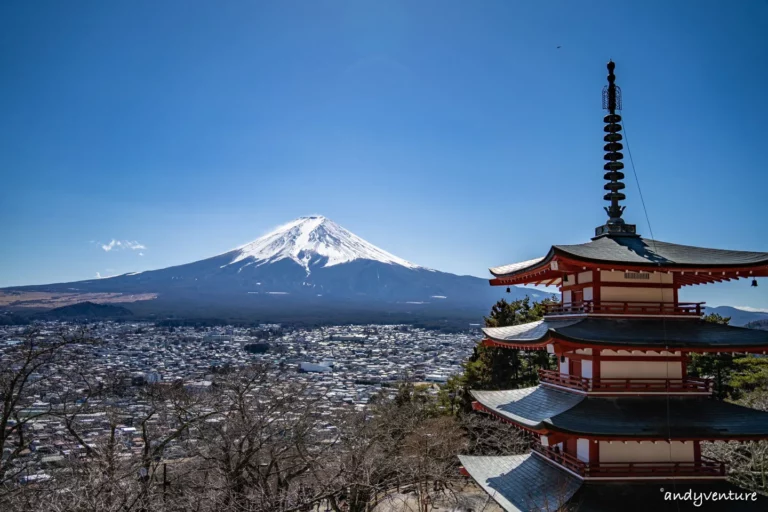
(591, 307)
(703, 468)
(636, 385)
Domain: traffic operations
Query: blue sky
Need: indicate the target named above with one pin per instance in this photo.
(454, 134)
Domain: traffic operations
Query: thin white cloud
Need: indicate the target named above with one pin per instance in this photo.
(123, 244)
(141, 254)
(751, 309)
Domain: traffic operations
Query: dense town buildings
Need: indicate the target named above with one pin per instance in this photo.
(344, 367)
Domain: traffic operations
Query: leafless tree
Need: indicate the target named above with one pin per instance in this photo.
(256, 441)
(747, 462)
(28, 370)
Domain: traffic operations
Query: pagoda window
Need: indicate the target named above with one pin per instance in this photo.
(567, 296)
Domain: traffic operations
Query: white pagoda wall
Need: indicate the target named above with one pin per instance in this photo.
(618, 293)
(635, 294)
(617, 276)
(639, 369)
(582, 449)
(651, 295)
(645, 451)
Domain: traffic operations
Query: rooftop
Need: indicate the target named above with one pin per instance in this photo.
(648, 333)
(542, 408)
(637, 253)
(520, 483)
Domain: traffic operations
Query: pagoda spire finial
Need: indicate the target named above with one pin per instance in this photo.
(613, 157)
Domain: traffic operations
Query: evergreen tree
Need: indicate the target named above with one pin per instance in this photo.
(719, 367)
(499, 368)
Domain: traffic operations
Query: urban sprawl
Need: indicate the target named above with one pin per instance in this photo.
(341, 367)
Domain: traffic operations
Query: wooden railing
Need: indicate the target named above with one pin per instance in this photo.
(703, 468)
(637, 385)
(588, 307)
(567, 461)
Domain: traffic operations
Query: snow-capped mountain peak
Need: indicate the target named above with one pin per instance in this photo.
(313, 240)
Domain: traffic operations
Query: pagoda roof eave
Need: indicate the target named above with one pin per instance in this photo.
(630, 333)
(544, 410)
(519, 483)
(531, 408)
(523, 267)
(631, 253)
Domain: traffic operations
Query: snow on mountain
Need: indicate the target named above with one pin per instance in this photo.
(308, 268)
(310, 241)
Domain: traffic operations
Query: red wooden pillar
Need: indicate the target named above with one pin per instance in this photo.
(594, 451)
(596, 364)
(570, 446)
(596, 286)
(675, 288)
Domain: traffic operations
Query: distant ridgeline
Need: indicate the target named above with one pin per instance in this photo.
(86, 310)
(758, 324)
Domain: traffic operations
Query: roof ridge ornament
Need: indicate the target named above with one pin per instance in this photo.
(613, 166)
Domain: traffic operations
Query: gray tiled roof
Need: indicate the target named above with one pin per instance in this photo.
(636, 416)
(646, 332)
(641, 251)
(515, 267)
(522, 483)
(531, 331)
(659, 416)
(529, 406)
(637, 250)
(526, 483)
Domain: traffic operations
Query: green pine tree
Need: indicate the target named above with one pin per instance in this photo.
(719, 367)
(499, 368)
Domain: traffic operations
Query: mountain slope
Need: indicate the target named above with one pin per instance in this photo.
(86, 310)
(310, 260)
(739, 317)
(313, 240)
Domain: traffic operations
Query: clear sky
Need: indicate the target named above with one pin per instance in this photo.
(458, 135)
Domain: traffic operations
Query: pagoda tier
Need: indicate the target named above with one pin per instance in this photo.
(559, 335)
(524, 483)
(611, 261)
(549, 411)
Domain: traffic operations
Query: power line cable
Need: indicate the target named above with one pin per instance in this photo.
(661, 294)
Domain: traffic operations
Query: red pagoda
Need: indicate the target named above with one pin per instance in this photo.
(619, 425)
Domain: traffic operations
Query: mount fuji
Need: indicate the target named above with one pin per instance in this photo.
(310, 262)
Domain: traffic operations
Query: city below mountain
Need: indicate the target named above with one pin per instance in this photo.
(308, 268)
